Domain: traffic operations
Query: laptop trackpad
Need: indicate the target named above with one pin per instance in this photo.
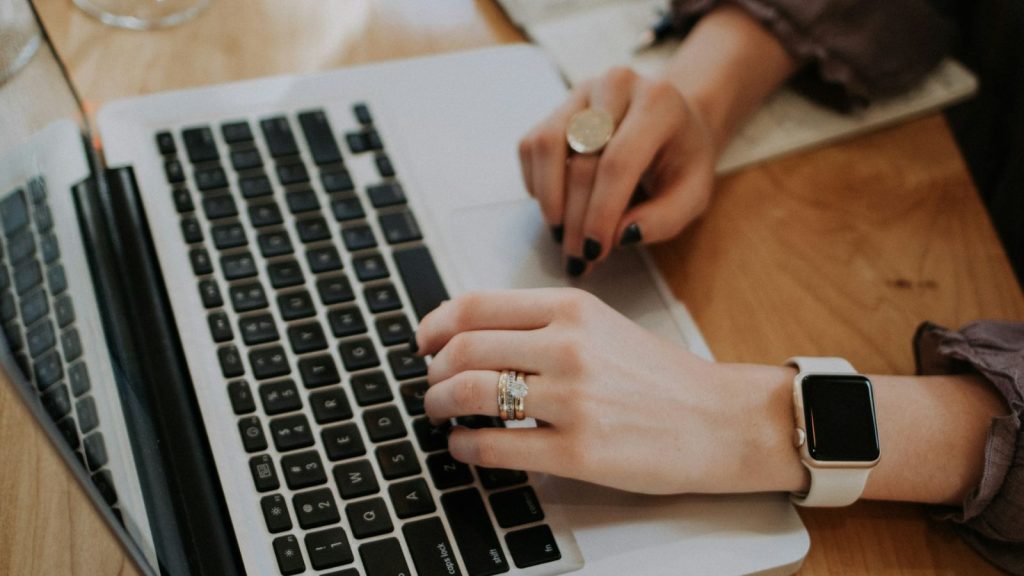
(508, 245)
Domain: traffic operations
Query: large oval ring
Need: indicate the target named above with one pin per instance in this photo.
(589, 130)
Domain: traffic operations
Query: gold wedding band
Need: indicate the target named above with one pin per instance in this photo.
(512, 391)
(589, 130)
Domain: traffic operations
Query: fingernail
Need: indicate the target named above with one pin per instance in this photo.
(557, 232)
(591, 249)
(414, 347)
(575, 266)
(631, 235)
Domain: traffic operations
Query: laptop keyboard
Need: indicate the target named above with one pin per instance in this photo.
(39, 321)
(302, 271)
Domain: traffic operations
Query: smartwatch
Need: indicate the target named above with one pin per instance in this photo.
(836, 431)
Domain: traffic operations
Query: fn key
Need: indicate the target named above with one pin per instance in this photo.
(532, 546)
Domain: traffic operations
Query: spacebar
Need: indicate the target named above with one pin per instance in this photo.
(422, 282)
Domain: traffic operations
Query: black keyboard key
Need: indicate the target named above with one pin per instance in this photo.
(346, 321)
(369, 518)
(201, 264)
(191, 230)
(328, 549)
(320, 138)
(220, 206)
(382, 298)
(280, 397)
(291, 432)
(307, 337)
(238, 266)
(295, 305)
(289, 555)
(88, 419)
(220, 327)
(22, 246)
(230, 362)
(285, 273)
(27, 275)
(57, 280)
(211, 178)
(258, 329)
(301, 201)
(57, 401)
(303, 470)
(400, 227)
(370, 267)
(373, 140)
(393, 329)
(33, 307)
(532, 546)
(493, 478)
(275, 244)
(241, 397)
(280, 139)
(412, 396)
(448, 472)
(474, 534)
(313, 230)
(358, 238)
(337, 181)
(37, 189)
(236, 132)
(356, 479)
(316, 508)
(265, 214)
(41, 338)
(342, 442)
(231, 235)
(64, 311)
(318, 371)
(431, 438)
(199, 144)
(358, 354)
(269, 362)
(5, 279)
(48, 369)
(48, 246)
(95, 451)
(264, 476)
(78, 376)
(357, 142)
(421, 279)
(288, 174)
(275, 513)
(71, 344)
(398, 460)
(8, 310)
(384, 558)
(334, 289)
(324, 259)
(105, 484)
(384, 166)
(246, 297)
(44, 219)
(165, 143)
(371, 388)
(347, 207)
(405, 364)
(255, 186)
(209, 292)
(411, 498)
(515, 507)
(386, 194)
(246, 159)
(362, 113)
(252, 434)
(175, 174)
(330, 406)
(431, 551)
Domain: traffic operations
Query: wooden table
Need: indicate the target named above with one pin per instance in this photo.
(841, 251)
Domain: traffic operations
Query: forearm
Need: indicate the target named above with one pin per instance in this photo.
(726, 67)
(932, 432)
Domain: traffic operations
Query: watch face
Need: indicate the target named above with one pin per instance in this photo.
(839, 412)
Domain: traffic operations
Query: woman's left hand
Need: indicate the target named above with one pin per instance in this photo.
(615, 404)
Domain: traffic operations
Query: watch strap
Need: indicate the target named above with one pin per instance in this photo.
(821, 365)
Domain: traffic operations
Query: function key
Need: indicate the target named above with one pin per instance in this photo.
(386, 194)
(532, 546)
(183, 200)
(199, 144)
(400, 227)
(356, 479)
(37, 189)
(48, 246)
(210, 294)
(252, 434)
(369, 518)
(165, 143)
(357, 142)
(384, 166)
(303, 470)
(328, 549)
(79, 377)
(289, 555)
(235, 132)
(448, 472)
(275, 513)
(371, 388)
(319, 137)
(280, 397)
(241, 397)
(316, 508)
(174, 172)
(191, 230)
(263, 473)
(362, 113)
(230, 362)
(516, 507)
(343, 442)
(280, 139)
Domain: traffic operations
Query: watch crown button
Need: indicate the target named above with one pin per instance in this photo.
(799, 437)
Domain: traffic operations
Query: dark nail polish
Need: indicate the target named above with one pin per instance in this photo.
(557, 232)
(414, 347)
(575, 266)
(591, 249)
(631, 235)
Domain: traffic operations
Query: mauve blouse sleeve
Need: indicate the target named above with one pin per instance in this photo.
(992, 517)
(853, 51)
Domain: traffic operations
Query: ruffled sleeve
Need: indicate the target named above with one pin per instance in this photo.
(853, 51)
(992, 517)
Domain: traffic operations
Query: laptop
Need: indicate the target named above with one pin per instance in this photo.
(207, 297)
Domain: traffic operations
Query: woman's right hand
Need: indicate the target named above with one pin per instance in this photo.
(660, 142)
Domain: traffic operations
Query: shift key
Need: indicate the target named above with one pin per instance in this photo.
(471, 526)
(430, 549)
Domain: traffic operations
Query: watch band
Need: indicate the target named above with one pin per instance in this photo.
(829, 486)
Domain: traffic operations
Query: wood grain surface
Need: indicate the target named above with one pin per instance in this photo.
(843, 250)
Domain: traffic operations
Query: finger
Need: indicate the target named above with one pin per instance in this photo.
(475, 392)
(578, 182)
(500, 309)
(533, 449)
(548, 151)
(646, 128)
(490, 350)
(646, 222)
